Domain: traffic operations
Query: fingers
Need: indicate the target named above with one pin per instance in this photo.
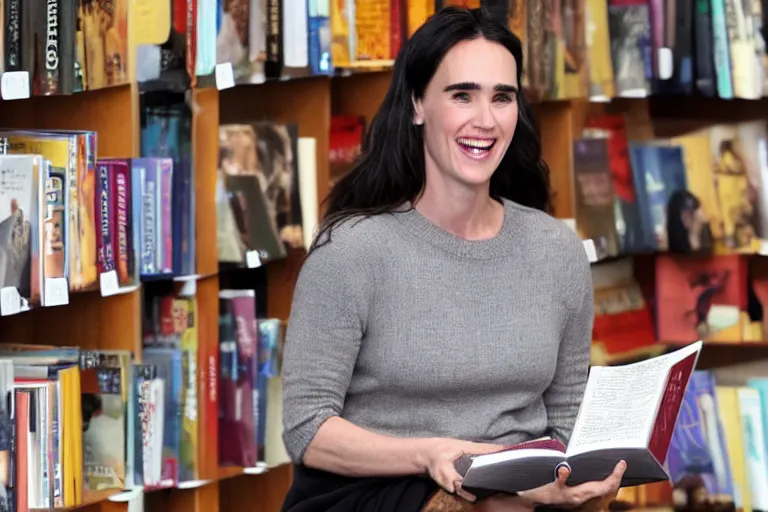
(562, 474)
(447, 477)
(463, 493)
(605, 489)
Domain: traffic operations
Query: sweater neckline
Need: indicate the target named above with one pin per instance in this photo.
(497, 246)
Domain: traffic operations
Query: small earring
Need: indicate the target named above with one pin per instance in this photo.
(418, 122)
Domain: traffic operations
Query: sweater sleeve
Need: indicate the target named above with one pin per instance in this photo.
(325, 329)
(564, 395)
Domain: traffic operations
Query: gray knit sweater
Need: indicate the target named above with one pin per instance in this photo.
(405, 329)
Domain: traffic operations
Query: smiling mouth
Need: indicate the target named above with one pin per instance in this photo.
(476, 148)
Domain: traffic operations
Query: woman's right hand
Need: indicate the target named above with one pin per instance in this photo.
(439, 455)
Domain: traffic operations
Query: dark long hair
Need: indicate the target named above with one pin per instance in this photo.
(391, 168)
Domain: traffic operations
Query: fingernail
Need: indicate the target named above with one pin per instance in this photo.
(622, 465)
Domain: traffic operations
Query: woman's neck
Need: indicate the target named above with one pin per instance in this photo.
(468, 215)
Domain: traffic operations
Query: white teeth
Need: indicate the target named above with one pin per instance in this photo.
(476, 143)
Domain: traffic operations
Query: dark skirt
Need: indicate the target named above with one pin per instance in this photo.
(313, 490)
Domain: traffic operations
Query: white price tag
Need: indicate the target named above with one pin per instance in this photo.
(109, 283)
(666, 63)
(252, 259)
(589, 246)
(56, 291)
(10, 301)
(225, 76)
(14, 85)
(188, 289)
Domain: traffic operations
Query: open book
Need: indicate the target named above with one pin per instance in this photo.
(628, 413)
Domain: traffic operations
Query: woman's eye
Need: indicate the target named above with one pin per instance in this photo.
(503, 98)
(461, 96)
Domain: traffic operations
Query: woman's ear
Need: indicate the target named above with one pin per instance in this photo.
(418, 111)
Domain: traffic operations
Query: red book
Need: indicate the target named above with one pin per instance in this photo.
(628, 413)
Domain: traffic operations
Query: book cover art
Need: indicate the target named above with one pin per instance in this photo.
(594, 195)
(700, 297)
(703, 212)
(697, 457)
(19, 223)
(57, 151)
(232, 39)
(736, 192)
(623, 325)
(752, 142)
(660, 181)
(629, 24)
(628, 224)
(104, 399)
(105, 29)
(168, 362)
(248, 189)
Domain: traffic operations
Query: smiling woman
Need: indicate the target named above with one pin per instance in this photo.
(441, 311)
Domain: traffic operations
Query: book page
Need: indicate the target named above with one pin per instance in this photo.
(620, 403)
(616, 408)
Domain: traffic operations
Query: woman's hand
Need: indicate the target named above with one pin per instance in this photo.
(439, 455)
(587, 496)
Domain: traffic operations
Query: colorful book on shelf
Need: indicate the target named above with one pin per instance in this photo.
(703, 297)
(104, 399)
(697, 454)
(60, 152)
(259, 173)
(21, 208)
(628, 413)
(238, 378)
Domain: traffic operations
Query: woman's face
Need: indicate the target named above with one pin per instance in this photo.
(469, 113)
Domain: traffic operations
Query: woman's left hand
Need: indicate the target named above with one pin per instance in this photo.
(591, 496)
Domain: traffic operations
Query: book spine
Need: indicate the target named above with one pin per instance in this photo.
(51, 59)
(148, 223)
(273, 64)
(136, 226)
(55, 223)
(58, 486)
(12, 35)
(721, 50)
(166, 169)
(67, 46)
(121, 205)
(106, 261)
(75, 252)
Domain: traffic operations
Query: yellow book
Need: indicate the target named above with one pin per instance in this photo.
(372, 28)
(150, 21)
(71, 434)
(601, 84)
(186, 311)
(730, 417)
(419, 12)
(341, 13)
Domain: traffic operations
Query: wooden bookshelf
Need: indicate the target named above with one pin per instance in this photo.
(94, 322)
